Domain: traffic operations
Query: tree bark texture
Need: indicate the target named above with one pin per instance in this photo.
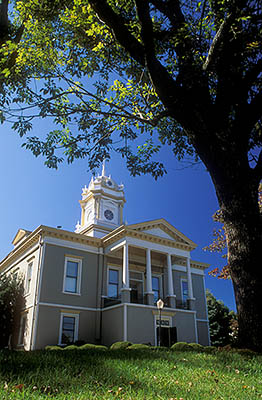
(236, 185)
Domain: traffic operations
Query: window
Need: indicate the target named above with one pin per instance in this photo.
(68, 328)
(22, 330)
(29, 277)
(156, 287)
(72, 277)
(184, 287)
(113, 283)
(136, 285)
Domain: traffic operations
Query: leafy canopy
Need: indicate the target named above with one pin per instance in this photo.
(87, 65)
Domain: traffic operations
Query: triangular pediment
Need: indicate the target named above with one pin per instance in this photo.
(163, 229)
(21, 234)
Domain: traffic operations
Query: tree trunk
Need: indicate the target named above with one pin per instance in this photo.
(243, 233)
(236, 186)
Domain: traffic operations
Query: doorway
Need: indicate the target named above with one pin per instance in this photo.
(168, 335)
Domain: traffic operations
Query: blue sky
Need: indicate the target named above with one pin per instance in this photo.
(33, 195)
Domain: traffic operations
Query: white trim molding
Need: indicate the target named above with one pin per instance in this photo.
(78, 261)
(76, 325)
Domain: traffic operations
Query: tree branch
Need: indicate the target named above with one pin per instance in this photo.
(117, 24)
(3, 20)
(215, 44)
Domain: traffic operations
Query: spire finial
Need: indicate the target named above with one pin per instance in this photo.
(104, 168)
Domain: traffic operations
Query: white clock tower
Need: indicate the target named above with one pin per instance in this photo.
(102, 206)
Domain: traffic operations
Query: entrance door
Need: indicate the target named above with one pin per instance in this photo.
(168, 336)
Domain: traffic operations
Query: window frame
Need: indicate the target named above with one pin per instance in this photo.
(159, 276)
(79, 275)
(119, 281)
(22, 329)
(141, 280)
(29, 281)
(76, 327)
(184, 301)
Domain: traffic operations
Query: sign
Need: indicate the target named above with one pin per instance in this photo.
(164, 322)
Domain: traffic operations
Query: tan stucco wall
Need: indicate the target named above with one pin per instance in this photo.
(112, 325)
(53, 277)
(186, 328)
(140, 325)
(200, 295)
(49, 324)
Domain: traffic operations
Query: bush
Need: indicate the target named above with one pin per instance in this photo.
(210, 349)
(71, 347)
(197, 347)
(138, 346)
(245, 352)
(159, 348)
(181, 346)
(120, 345)
(51, 348)
(90, 346)
(11, 303)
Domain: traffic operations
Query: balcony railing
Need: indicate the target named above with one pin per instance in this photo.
(108, 302)
(183, 305)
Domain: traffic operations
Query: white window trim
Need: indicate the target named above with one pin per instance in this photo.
(181, 287)
(28, 288)
(119, 279)
(74, 315)
(21, 337)
(79, 275)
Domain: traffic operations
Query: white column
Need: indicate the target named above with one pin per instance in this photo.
(148, 272)
(170, 276)
(189, 279)
(125, 267)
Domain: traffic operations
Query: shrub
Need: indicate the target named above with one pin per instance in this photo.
(138, 346)
(181, 346)
(71, 347)
(159, 348)
(197, 347)
(51, 348)
(90, 346)
(210, 349)
(120, 345)
(11, 303)
(245, 352)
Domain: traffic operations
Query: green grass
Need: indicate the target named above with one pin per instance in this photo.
(129, 374)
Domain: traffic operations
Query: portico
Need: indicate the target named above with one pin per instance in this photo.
(134, 251)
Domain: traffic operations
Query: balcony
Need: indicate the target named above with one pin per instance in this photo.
(182, 305)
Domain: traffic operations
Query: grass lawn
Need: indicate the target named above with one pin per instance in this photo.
(129, 374)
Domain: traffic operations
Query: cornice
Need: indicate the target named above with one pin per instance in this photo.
(70, 236)
(45, 231)
(26, 244)
(123, 231)
(166, 227)
(99, 192)
(193, 264)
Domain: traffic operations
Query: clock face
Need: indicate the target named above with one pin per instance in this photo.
(109, 183)
(108, 215)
